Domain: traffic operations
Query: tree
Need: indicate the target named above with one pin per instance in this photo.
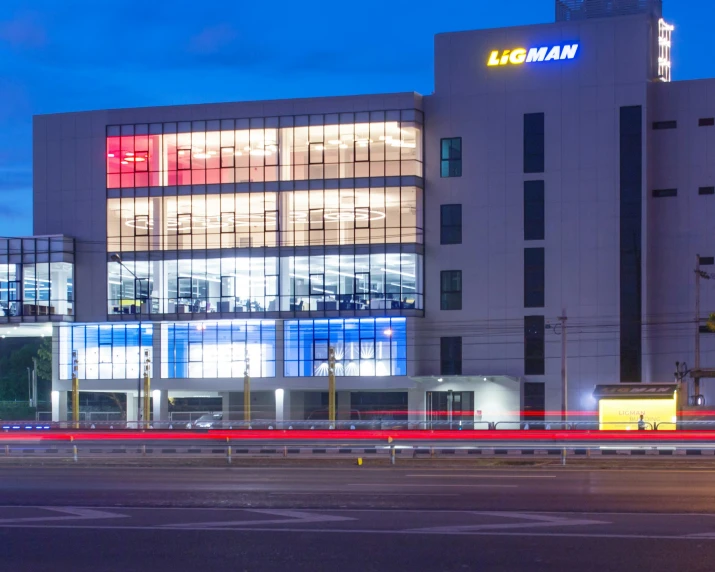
(44, 360)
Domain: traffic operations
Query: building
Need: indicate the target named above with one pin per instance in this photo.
(434, 242)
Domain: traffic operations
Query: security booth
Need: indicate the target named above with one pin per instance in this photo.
(620, 406)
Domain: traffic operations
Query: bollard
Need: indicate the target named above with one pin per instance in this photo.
(228, 451)
(431, 452)
(392, 455)
(74, 452)
(359, 461)
(143, 450)
(285, 451)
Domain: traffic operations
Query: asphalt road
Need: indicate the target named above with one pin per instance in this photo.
(355, 519)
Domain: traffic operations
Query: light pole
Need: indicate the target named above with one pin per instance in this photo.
(118, 259)
(696, 370)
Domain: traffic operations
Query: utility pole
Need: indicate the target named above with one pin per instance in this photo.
(75, 390)
(247, 389)
(34, 383)
(29, 386)
(147, 389)
(564, 379)
(698, 275)
(331, 386)
(564, 373)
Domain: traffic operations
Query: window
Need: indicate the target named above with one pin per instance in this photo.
(707, 260)
(105, 351)
(662, 193)
(665, 125)
(706, 191)
(534, 346)
(534, 401)
(378, 143)
(450, 356)
(451, 290)
(631, 223)
(706, 122)
(534, 146)
(451, 157)
(451, 224)
(364, 347)
(218, 349)
(534, 275)
(533, 210)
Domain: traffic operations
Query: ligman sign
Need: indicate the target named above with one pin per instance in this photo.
(519, 56)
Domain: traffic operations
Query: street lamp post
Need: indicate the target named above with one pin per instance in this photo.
(118, 259)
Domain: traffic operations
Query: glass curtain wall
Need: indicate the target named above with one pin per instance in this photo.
(36, 276)
(10, 290)
(333, 146)
(263, 219)
(105, 351)
(363, 347)
(380, 281)
(218, 349)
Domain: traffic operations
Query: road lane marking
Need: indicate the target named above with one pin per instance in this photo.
(421, 485)
(69, 514)
(473, 476)
(528, 521)
(289, 517)
(343, 492)
(381, 532)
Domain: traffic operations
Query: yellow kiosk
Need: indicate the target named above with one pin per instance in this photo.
(620, 406)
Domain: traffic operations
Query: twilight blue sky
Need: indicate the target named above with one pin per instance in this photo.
(70, 55)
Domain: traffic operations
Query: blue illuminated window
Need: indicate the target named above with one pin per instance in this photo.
(105, 351)
(218, 349)
(365, 347)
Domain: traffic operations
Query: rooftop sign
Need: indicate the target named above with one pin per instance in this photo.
(519, 56)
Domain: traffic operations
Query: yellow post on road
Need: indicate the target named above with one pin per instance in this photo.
(147, 389)
(247, 391)
(331, 386)
(75, 390)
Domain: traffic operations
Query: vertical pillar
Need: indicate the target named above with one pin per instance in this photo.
(416, 404)
(282, 407)
(131, 407)
(59, 406)
(160, 404)
(343, 408)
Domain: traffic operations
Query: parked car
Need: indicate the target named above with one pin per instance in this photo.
(208, 421)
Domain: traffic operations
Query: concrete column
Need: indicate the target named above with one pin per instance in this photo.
(131, 406)
(160, 405)
(59, 405)
(283, 409)
(342, 412)
(416, 404)
(297, 405)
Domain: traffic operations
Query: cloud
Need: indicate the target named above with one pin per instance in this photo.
(212, 39)
(23, 31)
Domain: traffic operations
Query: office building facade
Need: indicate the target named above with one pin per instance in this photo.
(555, 183)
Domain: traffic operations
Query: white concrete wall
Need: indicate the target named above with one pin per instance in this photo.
(680, 227)
(581, 100)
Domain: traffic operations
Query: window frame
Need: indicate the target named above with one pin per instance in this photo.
(450, 299)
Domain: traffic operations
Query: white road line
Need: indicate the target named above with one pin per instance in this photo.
(475, 476)
(289, 517)
(528, 521)
(422, 485)
(69, 514)
(375, 493)
(522, 533)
